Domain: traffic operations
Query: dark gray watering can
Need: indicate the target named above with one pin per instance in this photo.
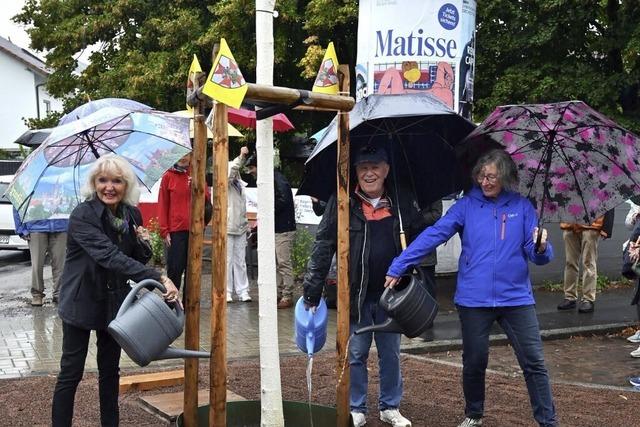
(410, 307)
(146, 326)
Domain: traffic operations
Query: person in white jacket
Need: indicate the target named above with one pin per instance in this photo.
(237, 224)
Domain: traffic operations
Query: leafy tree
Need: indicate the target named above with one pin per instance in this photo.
(144, 48)
(544, 51)
(51, 120)
(527, 51)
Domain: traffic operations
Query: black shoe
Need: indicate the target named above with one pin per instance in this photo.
(567, 304)
(586, 307)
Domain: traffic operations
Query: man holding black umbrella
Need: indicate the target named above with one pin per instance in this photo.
(374, 240)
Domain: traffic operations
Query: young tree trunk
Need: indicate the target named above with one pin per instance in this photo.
(271, 391)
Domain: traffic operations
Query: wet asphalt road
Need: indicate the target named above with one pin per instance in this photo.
(15, 281)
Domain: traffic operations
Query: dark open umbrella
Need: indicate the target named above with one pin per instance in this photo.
(33, 137)
(418, 130)
(574, 163)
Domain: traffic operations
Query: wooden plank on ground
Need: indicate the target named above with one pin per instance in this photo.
(170, 405)
(151, 380)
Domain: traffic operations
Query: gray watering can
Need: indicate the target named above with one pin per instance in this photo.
(146, 326)
(410, 307)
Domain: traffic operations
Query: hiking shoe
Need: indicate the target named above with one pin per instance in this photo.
(285, 303)
(36, 300)
(586, 307)
(566, 304)
(472, 422)
(635, 338)
(359, 419)
(634, 381)
(245, 297)
(394, 417)
(635, 353)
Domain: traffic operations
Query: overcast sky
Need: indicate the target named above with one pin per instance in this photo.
(7, 28)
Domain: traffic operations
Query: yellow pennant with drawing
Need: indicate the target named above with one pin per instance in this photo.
(194, 69)
(225, 82)
(327, 79)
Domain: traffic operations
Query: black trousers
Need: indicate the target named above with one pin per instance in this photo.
(177, 258)
(75, 343)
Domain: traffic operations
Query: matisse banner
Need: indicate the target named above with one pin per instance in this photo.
(407, 46)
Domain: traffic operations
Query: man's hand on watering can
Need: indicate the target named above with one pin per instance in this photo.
(172, 292)
(308, 306)
(390, 282)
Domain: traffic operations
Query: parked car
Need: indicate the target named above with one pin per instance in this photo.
(8, 237)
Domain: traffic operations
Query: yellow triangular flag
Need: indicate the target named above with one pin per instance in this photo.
(327, 79)
(225, 82)
(191, 77)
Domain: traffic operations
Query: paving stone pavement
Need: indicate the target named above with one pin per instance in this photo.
(31, 337)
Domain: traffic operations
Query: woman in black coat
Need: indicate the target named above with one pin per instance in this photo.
(105, 248)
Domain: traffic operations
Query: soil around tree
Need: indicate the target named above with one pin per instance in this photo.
(588, 373)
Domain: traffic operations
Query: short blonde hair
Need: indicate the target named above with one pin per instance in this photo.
(113, 164)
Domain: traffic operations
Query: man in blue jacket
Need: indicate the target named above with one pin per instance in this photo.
(498, 230)
(44, 236)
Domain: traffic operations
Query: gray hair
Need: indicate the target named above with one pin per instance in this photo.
(113, 165)
(507, 169)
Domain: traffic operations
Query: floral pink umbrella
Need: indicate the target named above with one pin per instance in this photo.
(573, 162)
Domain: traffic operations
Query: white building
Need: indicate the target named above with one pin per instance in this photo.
(22, 92)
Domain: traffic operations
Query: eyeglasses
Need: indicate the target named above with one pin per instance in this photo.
(492, 179)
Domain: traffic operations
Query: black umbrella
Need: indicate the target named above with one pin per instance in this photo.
(418, 130)
(33, 137)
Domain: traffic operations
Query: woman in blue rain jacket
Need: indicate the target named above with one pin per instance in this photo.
(498, 229)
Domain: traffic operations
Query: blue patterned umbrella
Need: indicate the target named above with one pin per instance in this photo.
(93, 106)
(48, 183)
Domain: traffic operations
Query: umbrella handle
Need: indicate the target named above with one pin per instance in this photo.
(538, 239)
(403, 240)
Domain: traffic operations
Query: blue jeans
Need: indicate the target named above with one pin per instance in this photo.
(388, 345)
(521, 326)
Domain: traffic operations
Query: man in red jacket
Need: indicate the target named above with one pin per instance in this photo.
(174, 200)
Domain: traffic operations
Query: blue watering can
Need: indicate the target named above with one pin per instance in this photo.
(310, 327)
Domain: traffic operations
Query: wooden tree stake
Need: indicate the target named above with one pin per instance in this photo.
(342, 335)
(218, 367)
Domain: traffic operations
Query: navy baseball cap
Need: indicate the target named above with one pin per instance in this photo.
(370, 153)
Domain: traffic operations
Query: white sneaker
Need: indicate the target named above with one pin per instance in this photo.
(359, 419)
(394, 417)
(635, 353)
(635, 337)
(471, 422)
(245, 297)
(229, 299)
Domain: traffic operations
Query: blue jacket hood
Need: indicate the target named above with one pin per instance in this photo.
(497, 243)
